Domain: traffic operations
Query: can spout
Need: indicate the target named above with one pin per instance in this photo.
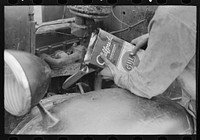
(48, 120)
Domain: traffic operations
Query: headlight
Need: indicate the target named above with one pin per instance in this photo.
(26, 80)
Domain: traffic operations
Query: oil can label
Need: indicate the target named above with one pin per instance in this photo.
(115, 49)
(109, 47)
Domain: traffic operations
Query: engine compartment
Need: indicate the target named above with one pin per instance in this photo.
(60, 35)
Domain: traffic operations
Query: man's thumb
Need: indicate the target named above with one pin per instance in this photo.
(134, 41)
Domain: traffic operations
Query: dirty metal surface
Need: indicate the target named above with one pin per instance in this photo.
(173, 92)
(113, 111)
(129, 15)
(90, 11)
(66, 70)
(53, 38)
(50, 13)
(18, 27)
(12, 121)
(48, 103)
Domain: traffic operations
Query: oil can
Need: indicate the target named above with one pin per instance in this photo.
(116, 50)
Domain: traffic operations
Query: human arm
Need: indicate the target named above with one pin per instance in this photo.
(171, 45)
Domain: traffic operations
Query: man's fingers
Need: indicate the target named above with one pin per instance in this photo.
(107, 62)
(134, 41)
(138, 39)
(111, 66)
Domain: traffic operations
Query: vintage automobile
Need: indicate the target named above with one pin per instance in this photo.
(100, 108)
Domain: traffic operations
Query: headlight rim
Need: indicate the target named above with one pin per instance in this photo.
(21, 77)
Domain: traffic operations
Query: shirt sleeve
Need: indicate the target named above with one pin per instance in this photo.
(171, 46)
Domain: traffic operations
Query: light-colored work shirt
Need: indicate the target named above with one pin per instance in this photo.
(171, 54)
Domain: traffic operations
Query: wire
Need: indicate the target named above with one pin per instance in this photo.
(63, 17)
(118, 18)
(45, 25)
(48, 24)
(128, 28)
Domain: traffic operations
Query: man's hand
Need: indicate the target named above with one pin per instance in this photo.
(110, 70)
(139, 42)
(139, 39)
